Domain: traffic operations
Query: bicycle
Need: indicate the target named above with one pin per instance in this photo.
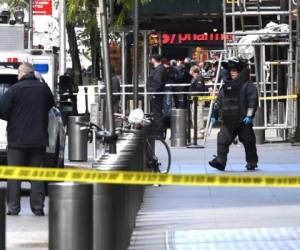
(157, 150)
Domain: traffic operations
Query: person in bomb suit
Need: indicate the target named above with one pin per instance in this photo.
(237, 103)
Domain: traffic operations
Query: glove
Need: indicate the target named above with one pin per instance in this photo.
(213, 121)
(248, 120)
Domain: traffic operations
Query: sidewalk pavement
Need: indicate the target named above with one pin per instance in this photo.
(188, 218)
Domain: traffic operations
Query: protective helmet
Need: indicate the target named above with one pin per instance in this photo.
(235, 63)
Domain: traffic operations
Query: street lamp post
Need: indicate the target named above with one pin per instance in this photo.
(107, 74)
(30, 30)
(135, 77)
(62, 37)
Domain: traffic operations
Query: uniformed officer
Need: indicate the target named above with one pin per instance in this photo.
(237, 103)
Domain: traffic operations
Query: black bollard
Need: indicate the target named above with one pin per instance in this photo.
(259, 121)
(195, 144)
(116, 206)
(297, 134)
(2, 219)
(189, 136)
(87, 113)
(104, 212)
(70, 216)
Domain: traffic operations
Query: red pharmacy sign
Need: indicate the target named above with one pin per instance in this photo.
(189, 37)
(42, 7)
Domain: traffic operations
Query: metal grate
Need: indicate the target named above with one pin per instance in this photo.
(14, 37)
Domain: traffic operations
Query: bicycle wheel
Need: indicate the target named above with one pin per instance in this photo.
(163, 154)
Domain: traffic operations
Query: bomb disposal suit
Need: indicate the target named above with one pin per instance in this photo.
(237, 103)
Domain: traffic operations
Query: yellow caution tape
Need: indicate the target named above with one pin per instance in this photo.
(145, 178)
(285, 97)
(204, 98)
(231, 1)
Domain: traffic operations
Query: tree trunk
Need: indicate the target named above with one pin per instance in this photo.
(74, 52)
(95, 52)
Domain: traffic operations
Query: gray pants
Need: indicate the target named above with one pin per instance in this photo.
(25, 157)
(200, 118)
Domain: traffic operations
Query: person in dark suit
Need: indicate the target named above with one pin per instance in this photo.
(156, 83)
(25, 107)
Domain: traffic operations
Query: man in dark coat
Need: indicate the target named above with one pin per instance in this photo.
(25, 107)
(116, 88)
(156, 83)
(237, 103)
(183, 77)
(197, 85)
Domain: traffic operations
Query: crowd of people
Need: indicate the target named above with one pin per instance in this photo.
(183, 72)
(184, 78)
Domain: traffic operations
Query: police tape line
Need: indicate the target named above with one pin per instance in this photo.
(279, 97)
(145, 178)
(209, 98)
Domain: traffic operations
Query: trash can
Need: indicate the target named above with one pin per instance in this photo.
(2, 219)
(178, 127)
(78, 139)
(70, 216)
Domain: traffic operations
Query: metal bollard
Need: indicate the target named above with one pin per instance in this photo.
(189, 127)
(178, 128)
(195, 144)
(78, 139)
(110, 209)
(116, 206)
(2, 219)
(70, 216)
(104, 216)
(259, 121)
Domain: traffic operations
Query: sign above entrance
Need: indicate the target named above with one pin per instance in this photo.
(182, 38)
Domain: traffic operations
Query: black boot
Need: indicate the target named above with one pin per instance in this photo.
(251, 166)
(218, 164)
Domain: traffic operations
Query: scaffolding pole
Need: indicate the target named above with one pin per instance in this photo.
(297, 134)
(124, 73)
